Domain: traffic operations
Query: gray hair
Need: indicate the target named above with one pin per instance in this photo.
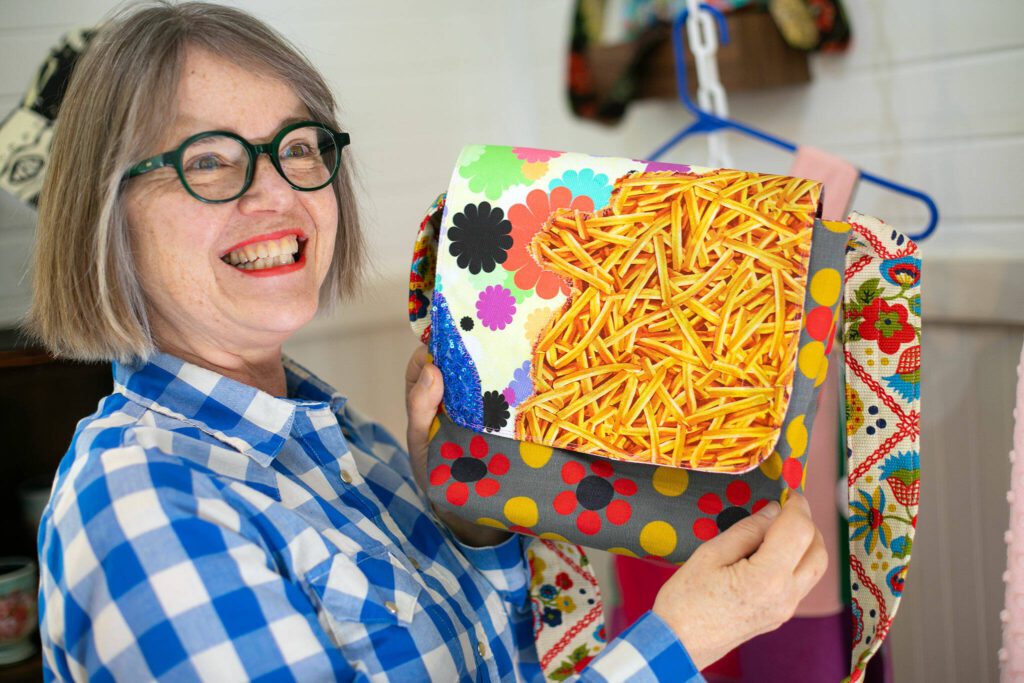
(88, 303)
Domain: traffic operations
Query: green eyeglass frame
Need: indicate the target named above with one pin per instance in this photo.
(173, 159)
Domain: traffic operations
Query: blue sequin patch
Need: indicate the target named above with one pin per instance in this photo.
(462, 395)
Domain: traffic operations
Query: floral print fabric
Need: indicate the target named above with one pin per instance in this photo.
(882, 347)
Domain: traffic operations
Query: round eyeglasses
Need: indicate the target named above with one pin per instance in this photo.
(218, 166)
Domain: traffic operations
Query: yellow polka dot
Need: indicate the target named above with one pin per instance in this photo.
(825, 286)
(669, 481)
(658, 538)
(869, 352)
(623, 551)
(874, 566)
(884, 362)
(487, 521)
(521, 510)
(868, 480)
(434, 426)
(885, 566)
(871, 363)
(534, 454)
(810, 359)
(837, 226)
(878, 555)
(772, 466)
(552, 536)
(823, 373)
(796, 436)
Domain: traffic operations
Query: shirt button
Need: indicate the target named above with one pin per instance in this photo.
(481, 648)
(346, 477)
(391, 607)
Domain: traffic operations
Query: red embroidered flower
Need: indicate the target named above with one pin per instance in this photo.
(886, 324)
(594, 492)
(527, 220)
(737, 493)
(466, 470)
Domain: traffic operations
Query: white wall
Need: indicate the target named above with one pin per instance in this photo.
(929, 94)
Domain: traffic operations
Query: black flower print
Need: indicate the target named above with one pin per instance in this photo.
(466, 323)
(495, 411)
(480, 237)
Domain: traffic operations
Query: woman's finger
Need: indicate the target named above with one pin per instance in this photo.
(741, 539)
(812, 566)
(788, 539)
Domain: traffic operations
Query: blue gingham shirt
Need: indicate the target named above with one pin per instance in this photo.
(201, 529)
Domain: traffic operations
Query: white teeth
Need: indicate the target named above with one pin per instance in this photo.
(265, 254)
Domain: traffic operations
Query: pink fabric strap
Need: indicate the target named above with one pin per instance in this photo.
(837, 175)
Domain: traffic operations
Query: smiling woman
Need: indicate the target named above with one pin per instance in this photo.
(98, 272)
(224, 514)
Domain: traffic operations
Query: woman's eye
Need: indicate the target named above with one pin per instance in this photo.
(207, 162)
(297, 151)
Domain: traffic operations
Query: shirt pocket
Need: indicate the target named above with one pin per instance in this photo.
(357, 592)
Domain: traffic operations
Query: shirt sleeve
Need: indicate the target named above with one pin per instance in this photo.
(647, 651)
(143, 575)
(504, 566)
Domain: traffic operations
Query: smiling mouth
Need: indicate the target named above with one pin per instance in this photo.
(267, 254)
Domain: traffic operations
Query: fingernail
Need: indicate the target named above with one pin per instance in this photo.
(771, 510)
(425, 379)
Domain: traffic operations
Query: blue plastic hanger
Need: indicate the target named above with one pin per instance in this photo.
(707, 122)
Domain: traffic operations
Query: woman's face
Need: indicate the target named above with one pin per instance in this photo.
(197, 301)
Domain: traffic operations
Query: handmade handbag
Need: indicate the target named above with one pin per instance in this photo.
(631, 353)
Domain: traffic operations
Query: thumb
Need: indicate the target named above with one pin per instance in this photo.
(422, 401)
(741, 539)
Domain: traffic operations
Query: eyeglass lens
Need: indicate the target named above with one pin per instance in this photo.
(216, 167)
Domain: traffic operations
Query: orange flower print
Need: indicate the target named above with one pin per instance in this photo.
(527, 220)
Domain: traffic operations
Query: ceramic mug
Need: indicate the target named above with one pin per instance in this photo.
(18, 585)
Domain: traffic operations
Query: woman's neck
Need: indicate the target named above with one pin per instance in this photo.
(262, 369)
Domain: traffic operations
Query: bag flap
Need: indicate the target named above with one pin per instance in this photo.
(550, 322)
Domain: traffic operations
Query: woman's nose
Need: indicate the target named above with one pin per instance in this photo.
(268, 191)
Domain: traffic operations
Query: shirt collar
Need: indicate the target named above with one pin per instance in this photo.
(245, 418)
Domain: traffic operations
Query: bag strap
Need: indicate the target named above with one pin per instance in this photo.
(882, 337)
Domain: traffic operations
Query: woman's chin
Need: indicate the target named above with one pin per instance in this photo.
(279, 321)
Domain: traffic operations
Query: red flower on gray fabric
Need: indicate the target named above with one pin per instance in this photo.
(478, 469)
(593, 494)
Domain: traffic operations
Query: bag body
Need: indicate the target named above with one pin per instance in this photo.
(632, 353)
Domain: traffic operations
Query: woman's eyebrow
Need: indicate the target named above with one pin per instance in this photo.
(188, 125)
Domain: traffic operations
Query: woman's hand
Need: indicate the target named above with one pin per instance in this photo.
(744, 582)
(424, 389)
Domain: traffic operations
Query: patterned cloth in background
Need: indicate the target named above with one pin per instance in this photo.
(26, 132)
(201, 528)
(807, 25)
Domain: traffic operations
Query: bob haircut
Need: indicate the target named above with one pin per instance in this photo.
(88, 303)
